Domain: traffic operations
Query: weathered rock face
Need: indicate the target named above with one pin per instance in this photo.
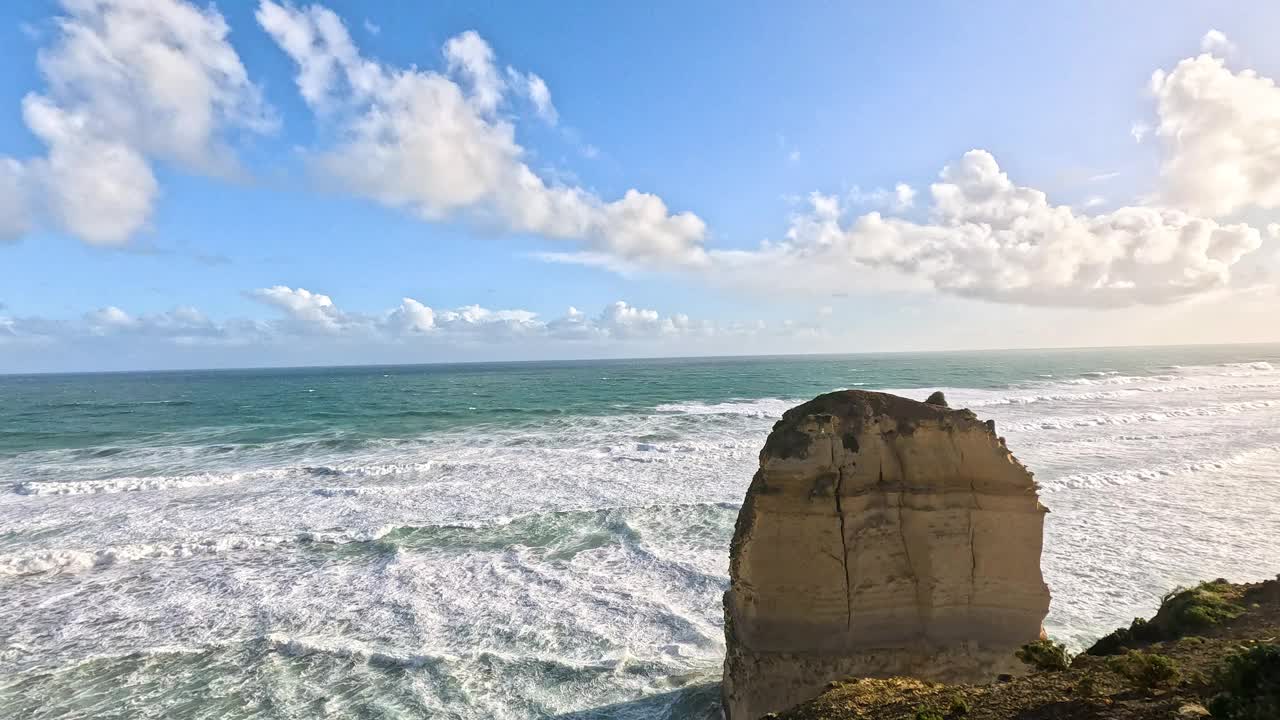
(881, 536)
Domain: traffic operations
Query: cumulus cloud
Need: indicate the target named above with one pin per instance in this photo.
(99, 189)
(989, 238)
(986, 237)
(306, 311)
(412, 317)
(128, 81)
(437, 144)
(1220, 133)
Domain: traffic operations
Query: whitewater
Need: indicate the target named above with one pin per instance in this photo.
(539, 540)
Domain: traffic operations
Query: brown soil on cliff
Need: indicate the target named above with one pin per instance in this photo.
(1093, 687)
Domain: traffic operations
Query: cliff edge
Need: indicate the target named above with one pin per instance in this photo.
(880, 537)
(1210, 652)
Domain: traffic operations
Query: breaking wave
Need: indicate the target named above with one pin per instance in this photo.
(559, 534)
(1082, 421)
(1159, 473)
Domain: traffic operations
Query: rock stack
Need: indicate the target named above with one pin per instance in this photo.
(881, 536)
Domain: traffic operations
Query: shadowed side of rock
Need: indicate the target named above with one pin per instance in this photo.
(881, 536)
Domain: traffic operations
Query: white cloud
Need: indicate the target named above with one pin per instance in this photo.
(1139, 131)
(478, 323)
(158, 75)
(308, 311)
(1215, 41)
(989, 238)
(315, 316)
(1220, 131)
(130, 80)
(315, 313)
(414, 139)
(472, 58)
(623, 320)
(101, 190)
(411, 317)
(184, 325)
(903, 195)
(108, 319)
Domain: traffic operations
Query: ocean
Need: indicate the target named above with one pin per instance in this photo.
(539, 540)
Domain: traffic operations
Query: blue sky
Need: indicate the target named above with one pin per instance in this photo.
(734, 114)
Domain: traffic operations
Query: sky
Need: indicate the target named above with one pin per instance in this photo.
(187, 185)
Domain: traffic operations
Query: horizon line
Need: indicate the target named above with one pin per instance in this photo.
(743, 356)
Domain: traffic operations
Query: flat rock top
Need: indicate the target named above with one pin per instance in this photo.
(855, 410)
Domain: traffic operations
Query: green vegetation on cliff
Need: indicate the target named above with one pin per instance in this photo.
(1182, 612)
(1209, 651)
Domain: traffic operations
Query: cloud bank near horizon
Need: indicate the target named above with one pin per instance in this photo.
(301, 313)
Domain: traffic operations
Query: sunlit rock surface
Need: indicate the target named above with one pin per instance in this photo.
(880, 536)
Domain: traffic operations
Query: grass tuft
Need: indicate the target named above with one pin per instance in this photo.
(1147, 671)
(1045, 655)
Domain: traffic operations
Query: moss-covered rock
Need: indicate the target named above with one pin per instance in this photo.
(1184, 611)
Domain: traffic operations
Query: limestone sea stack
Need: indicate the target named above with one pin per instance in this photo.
(881, 536)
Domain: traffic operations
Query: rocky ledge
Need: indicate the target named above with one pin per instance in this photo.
(1210, 652)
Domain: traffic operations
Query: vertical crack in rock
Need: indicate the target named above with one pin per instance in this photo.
(902, 531)
(844, 543)
(973, 540)
(972, 505)
(911, 566)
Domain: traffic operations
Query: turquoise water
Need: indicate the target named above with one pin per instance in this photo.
(537, 539)
(359, 404)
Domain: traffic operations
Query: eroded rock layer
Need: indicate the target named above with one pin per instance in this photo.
(881, 536)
